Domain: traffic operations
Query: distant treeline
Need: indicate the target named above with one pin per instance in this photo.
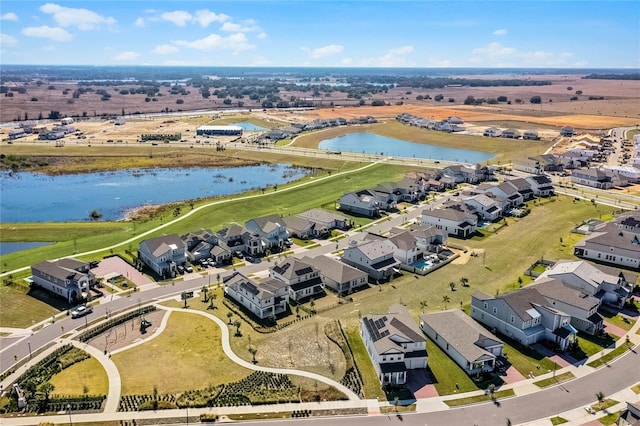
(440, 82)
(613, 76)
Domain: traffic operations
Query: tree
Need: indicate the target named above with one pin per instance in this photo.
(229, 315)
(54, 115)
(155, 397)
(452, 286)
(535, 100)
(423, 304)
(211, 299)
(204, 294)
(237, 325)
(578, 92)
(446, 299)
(600, 397)
(502, 99)
(253, 351)
(312, 304)
(95, 214)
(85, 388)
(469, 100)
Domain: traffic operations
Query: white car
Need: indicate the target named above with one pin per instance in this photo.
(81, 311)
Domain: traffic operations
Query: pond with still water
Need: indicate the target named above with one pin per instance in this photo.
(370, 143)
(30, 197)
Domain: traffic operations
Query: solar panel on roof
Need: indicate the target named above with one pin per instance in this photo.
(304, 271)
(385, 333)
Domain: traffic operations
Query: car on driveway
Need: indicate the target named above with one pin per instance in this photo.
(81, 311)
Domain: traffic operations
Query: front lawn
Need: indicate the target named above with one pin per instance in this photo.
(616, 319)
(449, 377)
(526, 360)
(559, 378)
(603, 360)
(372, 386)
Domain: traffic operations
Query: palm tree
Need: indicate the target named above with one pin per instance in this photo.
(211, 299)
(312, 304)
(600, 397)
(155, 397)
(446, 299)
(423, 304)
(229, 315)
(204, 294)
(253, 351)
(452, 286)
(237, 325)
(396, 400)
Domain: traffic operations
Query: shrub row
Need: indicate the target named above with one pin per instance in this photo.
(96, 331)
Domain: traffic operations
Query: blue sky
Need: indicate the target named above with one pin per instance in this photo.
(579, 34)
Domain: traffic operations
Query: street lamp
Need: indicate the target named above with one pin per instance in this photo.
(69, 410)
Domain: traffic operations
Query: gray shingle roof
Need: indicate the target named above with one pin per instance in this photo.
(334, 269)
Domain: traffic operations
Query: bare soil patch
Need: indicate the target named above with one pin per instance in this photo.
(128, 333)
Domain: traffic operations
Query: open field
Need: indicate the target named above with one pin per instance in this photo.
(186, 360)
(88, 373)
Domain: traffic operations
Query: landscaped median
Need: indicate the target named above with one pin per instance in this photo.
(556, 379)
(477, 399)
(609, 356)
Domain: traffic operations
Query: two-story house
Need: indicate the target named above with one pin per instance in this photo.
(230, 238)
(374, 257)
(340, 277)
(362, 203)
(394, 343)
(452, 221)
(163, 254)
(199, 244)
(271, 230)
(304, 280)
(523, 315)
(265, 298)
(541, 185)
(67, 278)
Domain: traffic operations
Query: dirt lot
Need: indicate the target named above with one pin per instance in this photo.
(127, 333)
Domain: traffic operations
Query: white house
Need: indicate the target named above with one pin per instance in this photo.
(163, 254)
(362, 202)
(270, 229)
(468, 344)
(265, 298)
(485, 207)
(394, 343)
(451, 221)
(303, 279)
(373, 257)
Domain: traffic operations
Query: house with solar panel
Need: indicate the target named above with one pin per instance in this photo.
(265, 298)
(304, 280)
(395, 344)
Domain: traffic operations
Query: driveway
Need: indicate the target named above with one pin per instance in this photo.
(114, 265)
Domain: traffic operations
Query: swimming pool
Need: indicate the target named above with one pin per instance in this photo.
(422, 264)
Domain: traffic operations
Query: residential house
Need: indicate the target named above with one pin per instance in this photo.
(271, 230)
(492, 132)
(68, 278)
(608, 243)
(374, 257)
(304, 280)
(485, 207)
(505, 191)
(595, 178)
(628, 173)
(467, 343)
(455, 120)
(567, 131)
(523, 187)
(582, 307)
(428, 238)
(362, 203)
(299, 227)
(340, 277)
(325, 221)
(264, 298)
(630, 416)
(523, 315)
(542, 186)
(453, 222)
(405, 247)
(163, 254)
(511, 134)
(394, 343)
(230, 238)
(610, 288)
(220, 255)
(199, 244)
(462, 173)
(538, 164)
(530, 135)
(443, 126)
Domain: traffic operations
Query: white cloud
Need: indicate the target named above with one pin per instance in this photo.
(126, 56)
(7, 40)
(205, 17)
(178, 17)
(260, 61)
(140, 23)
(324, 51)
(236, 42)
(53, 33)
(165, 49)
(397, 57)
(262, 35)
(9, 16)
(245, 27)
(500, 32)
(496, 54)
(347, 61)
(49, 48)
(435, 62)
(83, 19)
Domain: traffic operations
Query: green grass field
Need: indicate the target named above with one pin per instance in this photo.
(447, 373)
(187, 355)
(89, 373)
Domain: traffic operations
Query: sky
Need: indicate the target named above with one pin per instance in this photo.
(348, 33)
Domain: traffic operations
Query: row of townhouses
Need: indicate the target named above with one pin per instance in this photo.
(296, 128)
(450, 124)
